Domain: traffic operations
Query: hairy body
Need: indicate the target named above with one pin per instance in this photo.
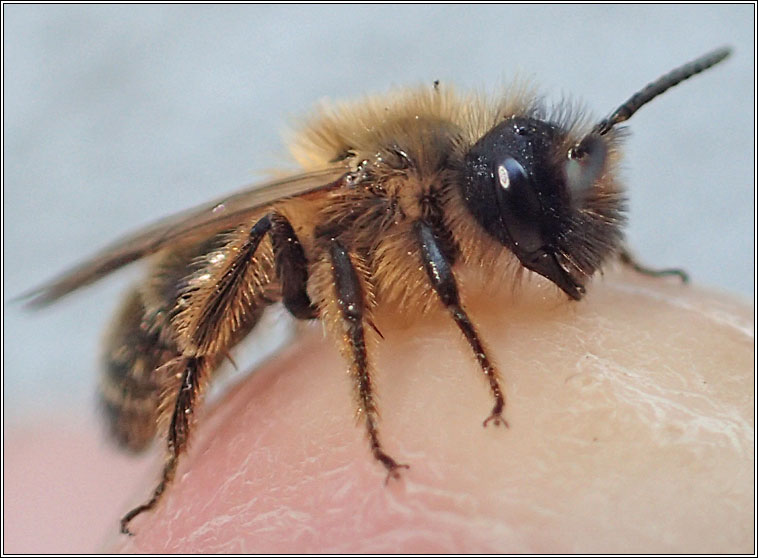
(398, 196)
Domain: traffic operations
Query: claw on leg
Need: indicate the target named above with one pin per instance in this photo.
(391, 465)
(495, 418)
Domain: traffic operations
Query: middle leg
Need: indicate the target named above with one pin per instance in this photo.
(350, 299)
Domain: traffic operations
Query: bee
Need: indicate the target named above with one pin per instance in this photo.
(397, 194)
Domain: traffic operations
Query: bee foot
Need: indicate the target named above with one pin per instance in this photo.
(392, 467)
(496, 418)
(125, 527)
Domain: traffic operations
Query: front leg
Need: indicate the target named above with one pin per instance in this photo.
(440, 274)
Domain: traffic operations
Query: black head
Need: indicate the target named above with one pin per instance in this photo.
(551, 197)
(543, 201)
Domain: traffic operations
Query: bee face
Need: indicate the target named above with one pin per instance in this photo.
(541, 201)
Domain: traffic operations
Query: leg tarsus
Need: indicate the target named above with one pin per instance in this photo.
(628, 260)
(391, 465)
(169, 470)
(496, 418)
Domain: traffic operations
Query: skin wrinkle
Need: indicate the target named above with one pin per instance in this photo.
(720, 317)
(390, 539)
(450, 518)
(635, 389)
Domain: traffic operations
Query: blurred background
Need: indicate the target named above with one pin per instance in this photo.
(118, 115)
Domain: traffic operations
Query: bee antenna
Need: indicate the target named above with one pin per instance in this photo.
(652, 90)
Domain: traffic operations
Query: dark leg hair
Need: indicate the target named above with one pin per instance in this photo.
(291, 264)
(210, 324)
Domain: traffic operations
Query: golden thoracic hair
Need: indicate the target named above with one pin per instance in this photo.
(431, 136)
(335, 130)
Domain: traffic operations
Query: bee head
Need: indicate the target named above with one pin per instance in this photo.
(554, 207)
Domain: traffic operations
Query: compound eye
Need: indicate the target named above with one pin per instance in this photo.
(520, 206)
(517, 190)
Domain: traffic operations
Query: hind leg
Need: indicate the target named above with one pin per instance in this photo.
(215, 308)
(173, 359)
(193, 377)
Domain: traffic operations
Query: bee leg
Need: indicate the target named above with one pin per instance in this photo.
(290, 261)
(628, 260)
(350, 300)
(211, 309)
(440, 275)
(192, 379)
(291, 268)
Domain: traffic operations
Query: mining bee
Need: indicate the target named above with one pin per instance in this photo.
(396, 195)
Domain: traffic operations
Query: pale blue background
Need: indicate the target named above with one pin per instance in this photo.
(118, 115)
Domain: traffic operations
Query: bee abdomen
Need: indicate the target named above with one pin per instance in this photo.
(134, 375)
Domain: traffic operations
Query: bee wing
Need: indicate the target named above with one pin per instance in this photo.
(204, 220)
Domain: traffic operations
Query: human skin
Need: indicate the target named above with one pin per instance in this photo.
(630, 431)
